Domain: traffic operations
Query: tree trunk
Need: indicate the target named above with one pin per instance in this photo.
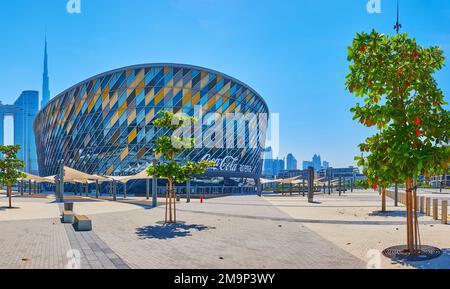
(174, 203)
(167, 204)
(10, 195)
(410, 228)
(383, 200)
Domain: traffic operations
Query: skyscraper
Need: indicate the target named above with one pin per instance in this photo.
(279, 166)
(291, 162)
(268, 166)
(45, 79)
(317, 162)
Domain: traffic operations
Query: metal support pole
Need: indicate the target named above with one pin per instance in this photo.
(188, 191)
(304, 188)
(340, 186)
(114, 191)
(147, 189)
(310, 185)
(97, 189)
(29, 187)
(344, 185)
(329, 187)
(396, 195)
(155, 192)
(125, 190)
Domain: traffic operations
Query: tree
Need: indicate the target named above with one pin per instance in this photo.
(9, 166)
(395, 77)
(168, 167)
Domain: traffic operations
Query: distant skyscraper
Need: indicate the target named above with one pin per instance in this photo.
(307, 165)
(317, 162)
(45, 79)
(268, 163)
(291, 162)
(24, 112)
(279, 166)
(326, 165)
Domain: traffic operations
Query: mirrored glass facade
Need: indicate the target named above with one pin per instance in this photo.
(104, 125)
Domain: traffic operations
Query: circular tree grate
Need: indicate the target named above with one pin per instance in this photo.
(401, 253)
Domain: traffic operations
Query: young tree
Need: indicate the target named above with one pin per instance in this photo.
(9, 166)
(394, 76)
(167, 147)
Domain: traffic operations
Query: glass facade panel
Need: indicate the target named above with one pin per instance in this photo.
(104, 124)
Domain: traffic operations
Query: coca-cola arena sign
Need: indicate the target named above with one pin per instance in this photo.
(228, 163)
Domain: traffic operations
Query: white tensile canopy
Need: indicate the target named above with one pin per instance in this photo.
(37, 179)
(290, 180)
(267, 181)
(72, 175)
(125, 179)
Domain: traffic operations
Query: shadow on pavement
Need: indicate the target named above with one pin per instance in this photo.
(8, 208)
(395, 214)
(443, 262)
(163, 232)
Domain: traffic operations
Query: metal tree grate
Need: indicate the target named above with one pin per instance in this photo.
(401, 253)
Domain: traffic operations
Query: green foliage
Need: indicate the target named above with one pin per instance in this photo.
(172, 122)
(176, 172)
(394, 76)
(10, 164)
(168, 147)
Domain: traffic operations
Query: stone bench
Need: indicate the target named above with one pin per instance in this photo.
(68, 217)
(83, 223)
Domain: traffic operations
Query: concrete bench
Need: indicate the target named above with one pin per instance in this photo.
(83, 223)
(68, 217)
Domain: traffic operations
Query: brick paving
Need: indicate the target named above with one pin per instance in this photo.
(33, 244)
(243, 232)
(234, 232)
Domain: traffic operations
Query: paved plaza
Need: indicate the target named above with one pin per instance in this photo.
(243, 232)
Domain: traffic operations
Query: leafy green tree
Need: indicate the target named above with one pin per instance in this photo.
(395, 78)
(168, 167)
(9, 168)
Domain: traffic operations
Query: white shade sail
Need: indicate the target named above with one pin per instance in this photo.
(72, 175)
(267, 181)
(125, 179)
(37, 179)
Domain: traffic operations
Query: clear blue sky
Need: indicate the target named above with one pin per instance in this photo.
(293, 52)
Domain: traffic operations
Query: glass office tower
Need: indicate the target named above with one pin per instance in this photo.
(24, 112)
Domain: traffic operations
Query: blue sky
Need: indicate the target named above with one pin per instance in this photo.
(293, 52)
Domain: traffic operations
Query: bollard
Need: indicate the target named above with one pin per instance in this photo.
(435, 209)
(428, 207)
(444, 212)
(422, 205)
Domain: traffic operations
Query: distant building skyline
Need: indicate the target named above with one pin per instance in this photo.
(45, 79)
(291, 162)
(316, 163)
(23, 111)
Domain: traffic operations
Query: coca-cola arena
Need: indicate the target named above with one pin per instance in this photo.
(104, 125)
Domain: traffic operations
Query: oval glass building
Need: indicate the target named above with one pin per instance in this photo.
(103, 125)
